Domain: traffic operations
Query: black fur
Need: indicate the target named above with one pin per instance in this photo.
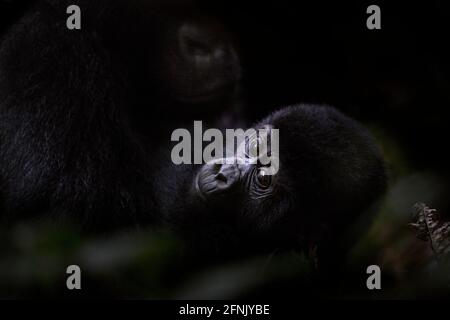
(82, 112)
(84, 116)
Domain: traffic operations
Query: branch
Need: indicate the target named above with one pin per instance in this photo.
(431, 227)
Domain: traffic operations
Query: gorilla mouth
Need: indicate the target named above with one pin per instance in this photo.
(197, 96)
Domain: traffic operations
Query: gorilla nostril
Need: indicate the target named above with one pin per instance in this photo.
(221, 177)
(216, 167)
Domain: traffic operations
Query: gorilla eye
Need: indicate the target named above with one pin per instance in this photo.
(263, 180)
(252, 148)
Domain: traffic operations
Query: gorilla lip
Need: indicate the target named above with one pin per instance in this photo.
(216, 92)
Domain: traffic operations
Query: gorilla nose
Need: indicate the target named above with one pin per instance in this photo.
(228, 175)
(217, 178)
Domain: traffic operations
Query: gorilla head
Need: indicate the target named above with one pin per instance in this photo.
(330, 171)
(173, 57)
(203, 64)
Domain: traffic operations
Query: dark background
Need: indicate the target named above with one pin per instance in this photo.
(395, 80)
(322, 52)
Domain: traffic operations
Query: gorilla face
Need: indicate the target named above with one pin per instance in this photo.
(248, 180)
(185, 62)
(191, 58)
(330, 171)
(202, 63)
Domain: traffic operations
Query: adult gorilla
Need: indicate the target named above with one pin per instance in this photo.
(81, 111)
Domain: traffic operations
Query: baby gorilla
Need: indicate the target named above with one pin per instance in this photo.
(330, 172)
